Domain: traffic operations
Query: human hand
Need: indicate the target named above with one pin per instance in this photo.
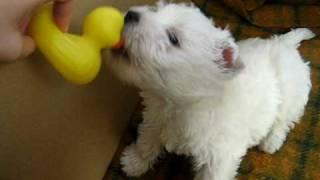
(14, 20)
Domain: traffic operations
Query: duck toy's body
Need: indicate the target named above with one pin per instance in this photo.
(77, 58)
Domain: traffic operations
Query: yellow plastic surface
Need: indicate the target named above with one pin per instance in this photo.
(77, 58)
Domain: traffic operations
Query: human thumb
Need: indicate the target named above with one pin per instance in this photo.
(15, 45)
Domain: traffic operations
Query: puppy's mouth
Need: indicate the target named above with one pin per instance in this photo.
(119, 51)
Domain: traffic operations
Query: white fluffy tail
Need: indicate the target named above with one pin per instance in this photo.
(295, 36)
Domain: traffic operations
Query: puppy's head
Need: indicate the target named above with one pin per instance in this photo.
(175, 49)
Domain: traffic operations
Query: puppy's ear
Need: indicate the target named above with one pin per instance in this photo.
(228, 58)
(162, 3)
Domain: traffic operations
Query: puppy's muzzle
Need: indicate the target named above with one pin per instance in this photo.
(132, 17)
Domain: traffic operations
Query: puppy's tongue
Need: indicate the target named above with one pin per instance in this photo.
(119, 46)
(119, 49)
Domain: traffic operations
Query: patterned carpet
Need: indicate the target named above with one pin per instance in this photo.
(299, 158)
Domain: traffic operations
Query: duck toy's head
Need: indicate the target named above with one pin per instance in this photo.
(77, 57)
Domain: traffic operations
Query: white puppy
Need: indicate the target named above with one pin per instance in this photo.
(206, 95)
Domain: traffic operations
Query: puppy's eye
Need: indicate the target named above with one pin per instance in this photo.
(173, 38)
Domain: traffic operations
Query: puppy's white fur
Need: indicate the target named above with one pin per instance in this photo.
(204, 101)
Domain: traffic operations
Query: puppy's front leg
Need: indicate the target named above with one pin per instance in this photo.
(140, 156)
(221, 165)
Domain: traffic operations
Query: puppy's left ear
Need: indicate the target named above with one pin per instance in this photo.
(228, 59)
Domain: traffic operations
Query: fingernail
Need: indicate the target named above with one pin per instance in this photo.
(28, 46)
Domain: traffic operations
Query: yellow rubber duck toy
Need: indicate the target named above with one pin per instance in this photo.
(77, 58)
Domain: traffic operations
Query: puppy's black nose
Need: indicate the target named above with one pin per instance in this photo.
(132, 17)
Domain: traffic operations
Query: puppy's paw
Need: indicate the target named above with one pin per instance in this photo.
(271, 144)
(132, 162)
